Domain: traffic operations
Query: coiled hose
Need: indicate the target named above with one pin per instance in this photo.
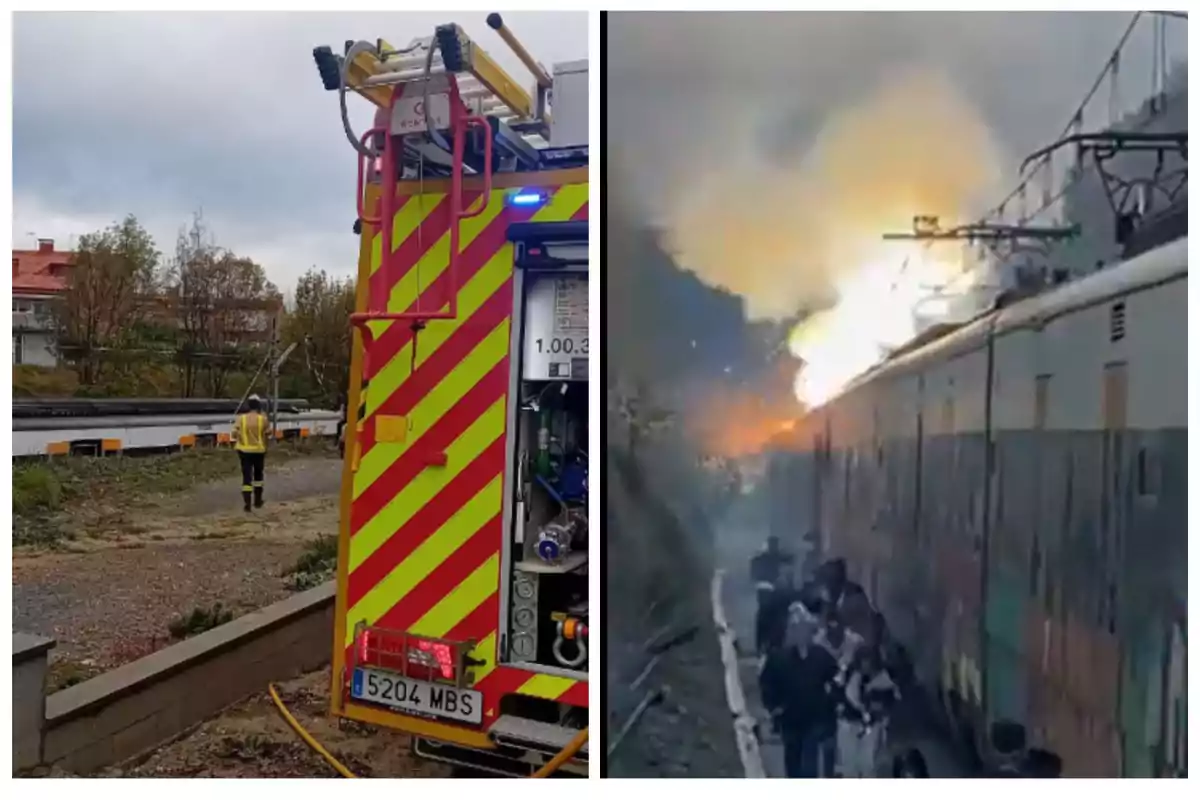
(549, 768)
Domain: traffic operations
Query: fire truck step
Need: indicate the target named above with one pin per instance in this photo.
(528, 733)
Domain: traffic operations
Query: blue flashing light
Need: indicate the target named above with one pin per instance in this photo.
(526, 199)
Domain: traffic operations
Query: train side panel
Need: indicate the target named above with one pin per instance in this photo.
(1077, 624)
(1014, 498)
(953, 486)
(1020, 529)
(1149, 492)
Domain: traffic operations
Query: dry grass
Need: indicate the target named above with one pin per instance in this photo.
(65, 499)
(251, 740)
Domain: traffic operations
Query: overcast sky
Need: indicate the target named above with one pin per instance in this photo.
(162, 114)
(775, 148)
(693, 88)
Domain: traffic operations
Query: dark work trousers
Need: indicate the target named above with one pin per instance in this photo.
(820, 754)
(807, 753)
(795, 765)
(252, 477)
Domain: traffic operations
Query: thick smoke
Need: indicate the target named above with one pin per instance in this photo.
(780, 234)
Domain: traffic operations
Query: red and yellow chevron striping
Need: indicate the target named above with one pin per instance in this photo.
(425, 527)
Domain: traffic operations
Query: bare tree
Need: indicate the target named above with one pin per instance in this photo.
(320, 321)
(107, 296)
(224, 305)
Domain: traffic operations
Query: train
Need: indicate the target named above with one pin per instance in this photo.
(1013, 496)
(39, 407)
(77, 426)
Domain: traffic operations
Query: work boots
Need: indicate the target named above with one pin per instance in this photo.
(258, 498)
(246, 501)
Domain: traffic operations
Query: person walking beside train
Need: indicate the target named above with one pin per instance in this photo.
(796, 680)
(771, 571)
(837, 640)
(250, 441)
(768, 565)
(863, 715)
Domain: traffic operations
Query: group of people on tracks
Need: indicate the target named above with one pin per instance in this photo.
(831, 676)
(829, 671)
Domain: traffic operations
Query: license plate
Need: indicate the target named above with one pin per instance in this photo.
(417, 697)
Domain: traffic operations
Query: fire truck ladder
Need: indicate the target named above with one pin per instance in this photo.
(438, 85)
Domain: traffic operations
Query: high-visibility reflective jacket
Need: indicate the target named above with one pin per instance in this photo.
(250, 432)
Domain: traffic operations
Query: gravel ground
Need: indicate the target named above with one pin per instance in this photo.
(251, 740)
(658, 579)
(109, 598)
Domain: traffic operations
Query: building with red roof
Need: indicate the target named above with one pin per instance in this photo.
(39, 277)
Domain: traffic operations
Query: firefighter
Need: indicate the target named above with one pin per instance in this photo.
(250, 441)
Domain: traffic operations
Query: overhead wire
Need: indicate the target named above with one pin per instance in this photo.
(1074, 125)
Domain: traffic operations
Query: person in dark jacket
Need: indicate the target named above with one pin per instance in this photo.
(771, 621)
(767, 565)
(796, 682)
(771, 572)
(830, 588)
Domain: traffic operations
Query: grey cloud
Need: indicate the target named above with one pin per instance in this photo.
(774, 148)
(159, 114)
(695, 88)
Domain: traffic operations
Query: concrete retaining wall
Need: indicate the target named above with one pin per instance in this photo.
(121, 714)
(29, 698)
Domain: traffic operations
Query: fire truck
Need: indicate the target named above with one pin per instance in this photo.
(462, 590)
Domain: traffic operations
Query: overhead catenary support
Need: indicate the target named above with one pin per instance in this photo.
(1131, 199)
(1005, 241)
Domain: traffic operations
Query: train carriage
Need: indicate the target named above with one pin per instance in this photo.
(1014, 495)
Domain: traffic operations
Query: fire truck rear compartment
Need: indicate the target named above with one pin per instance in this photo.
(546, 617)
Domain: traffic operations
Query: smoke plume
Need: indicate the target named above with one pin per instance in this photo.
(781, 234)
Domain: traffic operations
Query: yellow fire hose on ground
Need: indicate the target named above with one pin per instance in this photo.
(549, 768)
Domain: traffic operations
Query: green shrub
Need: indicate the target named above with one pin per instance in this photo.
(316, 565)
(201, 619)
(36, 488)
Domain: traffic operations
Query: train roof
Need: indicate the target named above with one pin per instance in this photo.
(34, 407)
(1155, 267)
